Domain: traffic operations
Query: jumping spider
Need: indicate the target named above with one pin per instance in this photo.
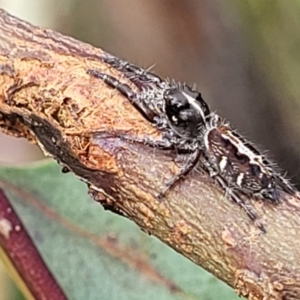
(188, 126)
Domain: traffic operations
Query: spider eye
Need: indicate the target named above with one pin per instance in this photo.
(174, 99)
(175, 103)
(185, 111)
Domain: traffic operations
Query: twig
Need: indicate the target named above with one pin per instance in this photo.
(21, 256)
(47, 96)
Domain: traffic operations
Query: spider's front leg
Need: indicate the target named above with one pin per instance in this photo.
(135, 73)
(114, 83)
(125, 90)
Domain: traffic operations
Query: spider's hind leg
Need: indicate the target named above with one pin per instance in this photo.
(234, 195)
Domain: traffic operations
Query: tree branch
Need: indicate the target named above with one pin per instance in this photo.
(47, 97)
(21, 257)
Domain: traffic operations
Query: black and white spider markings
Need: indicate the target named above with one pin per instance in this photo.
(188, 126)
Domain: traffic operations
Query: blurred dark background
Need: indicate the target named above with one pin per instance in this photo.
(244, 57)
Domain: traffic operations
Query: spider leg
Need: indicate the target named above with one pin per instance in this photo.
(234, 196)
(114, 83)
(285, 185)
(125, 90)
(136, 74)
(163, 144)
(187, 168)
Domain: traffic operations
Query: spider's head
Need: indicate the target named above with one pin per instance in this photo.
(186, 111)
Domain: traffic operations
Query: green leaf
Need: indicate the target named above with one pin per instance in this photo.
(95, 254)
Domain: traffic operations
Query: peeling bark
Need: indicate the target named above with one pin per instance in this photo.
(47, 97)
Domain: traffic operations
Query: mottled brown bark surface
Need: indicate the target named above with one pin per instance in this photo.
(47, 97)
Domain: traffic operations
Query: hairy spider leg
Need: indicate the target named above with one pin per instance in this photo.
(229, 191)
(136, 74)
(164, 144)
(124, 89)
(240, 202)
(285, 185)
(187, 168)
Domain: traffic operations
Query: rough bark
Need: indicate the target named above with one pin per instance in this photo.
(47, 97)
